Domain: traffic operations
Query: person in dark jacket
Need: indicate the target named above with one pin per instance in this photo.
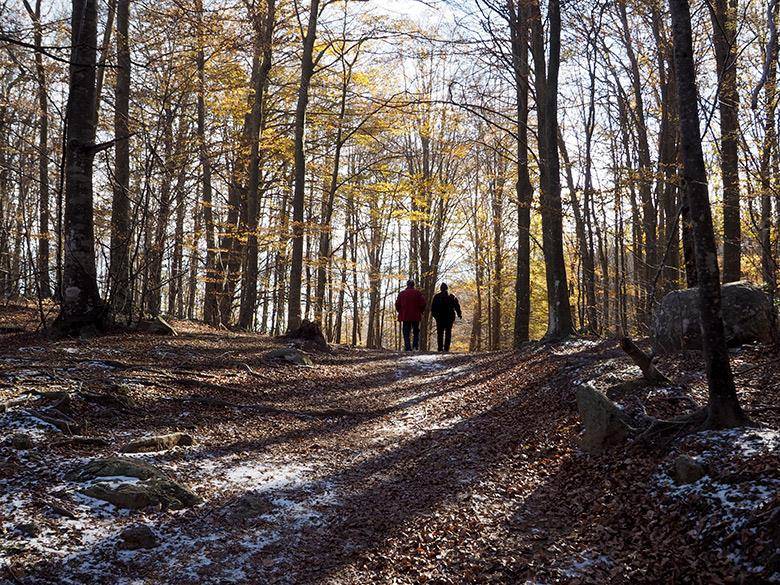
(410, 305)
(444, 308)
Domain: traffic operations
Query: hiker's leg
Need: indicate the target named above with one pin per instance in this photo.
(447, 337)
(439, 336)
(407, 329)
(416, 331)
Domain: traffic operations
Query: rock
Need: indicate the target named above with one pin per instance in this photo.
(291, 355)
(165, 493)
(687, 470)
(21, 441)
(747, 317)
(114, 467)
(158, 443)
(155, 326)
(604, 423)
(136, 537)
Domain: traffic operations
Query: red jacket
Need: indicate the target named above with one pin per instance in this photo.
(410, 304)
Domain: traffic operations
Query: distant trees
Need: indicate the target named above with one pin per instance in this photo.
(282, 161)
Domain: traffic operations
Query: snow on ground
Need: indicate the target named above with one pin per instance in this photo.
(21, 421)
(585, 563)
(729, 496)
(572, 346)
(418, 363)
(291, 498)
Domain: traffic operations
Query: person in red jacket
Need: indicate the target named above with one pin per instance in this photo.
(410, 305)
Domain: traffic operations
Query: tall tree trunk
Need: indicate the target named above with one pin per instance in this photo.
(559, 320)
(519, 38)
(158, 244)
(299, 203)
(326, 213)
(768, 263)
(497, 196)
(649, 213)
(585, 253)
(105, 46)
(264, 53)
(211, 296)
(82, 308)
(119, 254)
(666, 186)
(724, 23)
(724, 408)
(176, 282)
(44, 281)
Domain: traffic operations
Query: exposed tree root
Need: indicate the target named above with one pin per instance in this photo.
(662, 432)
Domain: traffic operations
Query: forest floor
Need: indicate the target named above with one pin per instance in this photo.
(375, 466)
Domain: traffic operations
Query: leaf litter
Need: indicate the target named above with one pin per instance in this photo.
(373, 466)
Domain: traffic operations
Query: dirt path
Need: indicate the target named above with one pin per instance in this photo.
(288, 499)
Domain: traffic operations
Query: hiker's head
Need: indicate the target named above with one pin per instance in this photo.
(444, 287)
(410, 283)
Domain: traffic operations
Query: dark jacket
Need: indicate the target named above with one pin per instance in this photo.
(410, 305)
(444, 307)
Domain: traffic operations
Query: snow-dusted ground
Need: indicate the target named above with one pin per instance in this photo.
(222, 542)
(725, 501)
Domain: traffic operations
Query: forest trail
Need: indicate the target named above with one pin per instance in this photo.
(367, 466)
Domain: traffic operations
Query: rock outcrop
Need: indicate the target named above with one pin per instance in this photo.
(604, 423)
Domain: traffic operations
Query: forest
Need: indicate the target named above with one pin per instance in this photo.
(211, 212)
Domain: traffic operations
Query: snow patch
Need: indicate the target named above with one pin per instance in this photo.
(586, 562)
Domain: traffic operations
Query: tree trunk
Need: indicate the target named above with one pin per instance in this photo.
(299, 203)
(724, 408)
(43, 152)
(559, 321)
(210, 301)
(176, 282)
(724, 23)
(119, 261)
(497, 197)
(519, 39)
(157, 246)
(326, 213)
(768, 263)
(82, 309)
(649, 213)
(264, 50)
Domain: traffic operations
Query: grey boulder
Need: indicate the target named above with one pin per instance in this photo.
(748, 316)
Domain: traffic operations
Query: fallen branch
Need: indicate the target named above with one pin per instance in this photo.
(82, 441)
(57, 419)
(644, 361)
